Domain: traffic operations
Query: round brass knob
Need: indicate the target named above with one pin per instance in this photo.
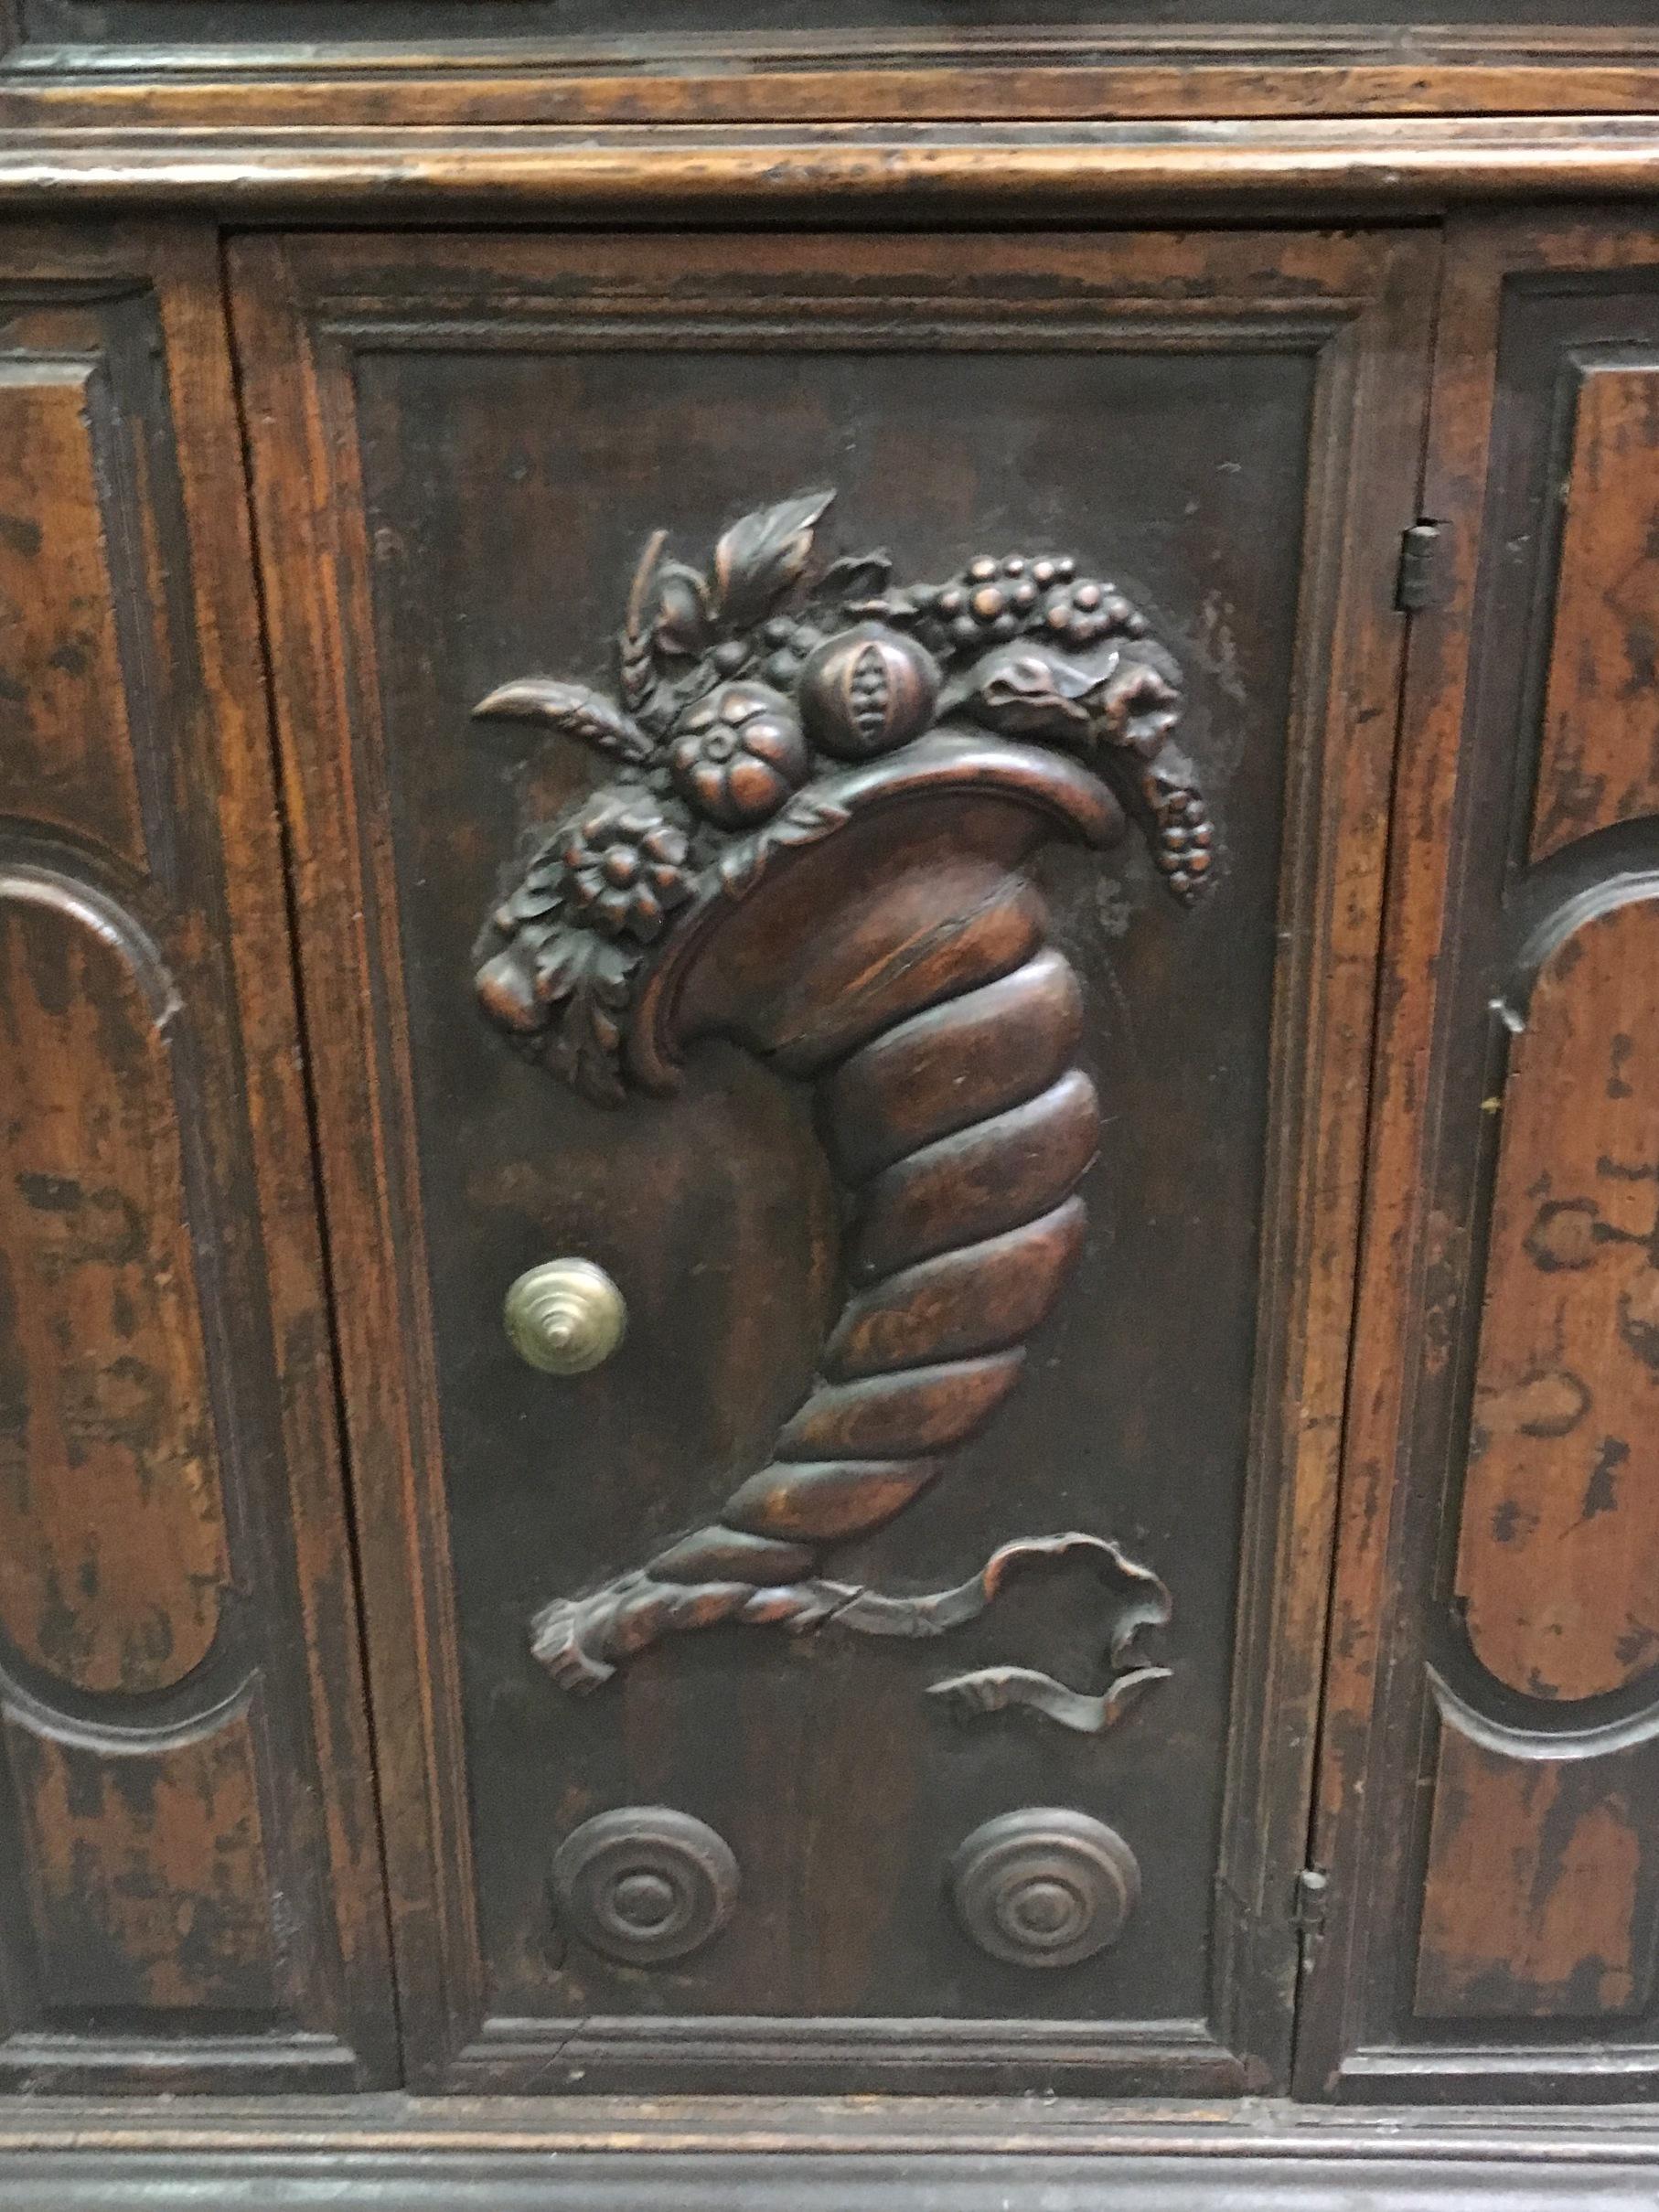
(564, 1316)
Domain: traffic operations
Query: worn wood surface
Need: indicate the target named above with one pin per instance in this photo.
(190, 1888)
(222, 67)
(1319, 168)
(188, 1880)
(1559, 1557)
(1487, 1776)
(744, 2155)
(598, 388)
(1536, 1903)
(1599, 761)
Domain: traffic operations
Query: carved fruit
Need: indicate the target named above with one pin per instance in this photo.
(867, 691)
(739, 754)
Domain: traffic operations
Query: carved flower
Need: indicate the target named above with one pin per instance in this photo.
(1137, 708)
(625, 868)
(739, 754)
(867, 691)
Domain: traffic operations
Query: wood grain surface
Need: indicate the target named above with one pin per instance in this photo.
(191, 1891)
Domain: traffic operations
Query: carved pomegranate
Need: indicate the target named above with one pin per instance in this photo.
(867, 691)
(739, 754)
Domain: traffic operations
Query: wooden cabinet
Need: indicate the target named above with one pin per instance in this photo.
(830, 1197)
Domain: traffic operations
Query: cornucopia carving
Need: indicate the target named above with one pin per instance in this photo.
(823, 793)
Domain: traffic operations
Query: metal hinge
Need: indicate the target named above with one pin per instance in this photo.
(1423, 575)
(1313, 1891)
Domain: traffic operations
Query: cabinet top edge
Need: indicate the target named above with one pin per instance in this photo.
(982, 73)
(845, 173)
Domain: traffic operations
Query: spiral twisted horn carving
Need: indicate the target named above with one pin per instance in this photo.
(816, 851)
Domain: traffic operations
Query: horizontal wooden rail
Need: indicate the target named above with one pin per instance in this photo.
(680, 173)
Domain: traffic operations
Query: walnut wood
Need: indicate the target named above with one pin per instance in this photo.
(966, 1192)
(190, 1892)
(230, 74)
(1567, 1914)
(742, 1197)
(1599, 762)
(907, 1088)
(1535, 1978)
(1001, 171)
(955, 2154)
(1560, 1544)
(980, 1297)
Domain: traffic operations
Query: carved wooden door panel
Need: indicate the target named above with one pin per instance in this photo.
(190, 1880)
(839, 786)
(1488, 1800)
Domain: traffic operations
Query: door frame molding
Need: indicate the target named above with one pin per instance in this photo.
(599, 2154)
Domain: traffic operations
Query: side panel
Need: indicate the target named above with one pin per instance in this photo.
(190, 1891)
(1490, 1794)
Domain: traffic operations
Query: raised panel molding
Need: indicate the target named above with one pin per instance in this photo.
(65, 752)
(1599, 759)
(1494, 1746)
(146, 1871)
(840, 1799)
(113, 1554)
(174, 1908)
(1559, 1558)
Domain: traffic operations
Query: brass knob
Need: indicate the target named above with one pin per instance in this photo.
(564, 1316)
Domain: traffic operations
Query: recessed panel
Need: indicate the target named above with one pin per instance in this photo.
(1560, 1546)
(65, 751)
(834, 706)
(112, 1526)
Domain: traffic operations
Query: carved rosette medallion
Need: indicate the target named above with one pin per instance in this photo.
(645, 1883)
(824, 786)
(1044, 1886)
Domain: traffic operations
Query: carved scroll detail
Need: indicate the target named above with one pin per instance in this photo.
(937, 734)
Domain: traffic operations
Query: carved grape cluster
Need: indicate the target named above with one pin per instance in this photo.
(993, 600)
(742, 684)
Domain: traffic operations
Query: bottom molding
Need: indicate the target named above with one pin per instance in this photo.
(601, 2154)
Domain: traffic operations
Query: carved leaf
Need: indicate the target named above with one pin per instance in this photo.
(588, 715)
(807, 819)
(591, 982)
(1025, 691)
(802, 822)
(854, 575)
(743, 867)
(760, 556)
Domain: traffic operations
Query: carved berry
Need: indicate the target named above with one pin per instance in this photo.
(867, 691)
(1081, 613)
(739, 754)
